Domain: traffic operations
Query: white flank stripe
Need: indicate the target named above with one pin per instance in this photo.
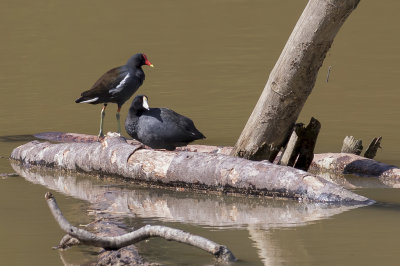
(91, 100)
(120, 86)
(122, 83)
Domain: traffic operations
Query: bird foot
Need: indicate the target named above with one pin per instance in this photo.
(114, 134)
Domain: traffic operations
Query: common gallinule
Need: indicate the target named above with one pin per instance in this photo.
(116, 86)
(159, 128)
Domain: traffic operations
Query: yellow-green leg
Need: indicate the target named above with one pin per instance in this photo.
(118, 120)
(103, 114)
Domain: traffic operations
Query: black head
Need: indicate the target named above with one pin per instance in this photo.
(138, 60)
(140, 104)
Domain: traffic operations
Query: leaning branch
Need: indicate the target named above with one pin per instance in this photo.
(292, 79)
(148, 231)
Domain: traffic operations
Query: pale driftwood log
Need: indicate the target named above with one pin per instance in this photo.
(373, 148)
(204, 171)
(352, 145)
(148, 231)
(341, 158)
(292, 79)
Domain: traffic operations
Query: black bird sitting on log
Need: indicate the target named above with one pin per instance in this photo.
(116, 86)
(159, 128)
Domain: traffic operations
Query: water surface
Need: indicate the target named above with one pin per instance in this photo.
(212, 59)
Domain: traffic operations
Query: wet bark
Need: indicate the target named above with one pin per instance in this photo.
(202, 171)
(292, 79)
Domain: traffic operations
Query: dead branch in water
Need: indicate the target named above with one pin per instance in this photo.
(148, 231)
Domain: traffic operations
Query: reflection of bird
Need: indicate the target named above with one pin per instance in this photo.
(159, 128)
(116, 86)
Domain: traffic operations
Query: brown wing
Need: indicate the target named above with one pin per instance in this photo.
(107, 81)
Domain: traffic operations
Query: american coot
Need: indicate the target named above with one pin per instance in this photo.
(116, 86)
(159, 128)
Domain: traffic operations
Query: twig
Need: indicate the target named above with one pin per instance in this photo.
(329, 72)
(85, 237)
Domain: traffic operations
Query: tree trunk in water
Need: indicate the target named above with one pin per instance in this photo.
(292, 79)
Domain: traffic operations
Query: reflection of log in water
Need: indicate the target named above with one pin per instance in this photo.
(211, 210)
(204, 171)
(76, 235)
(108, 224)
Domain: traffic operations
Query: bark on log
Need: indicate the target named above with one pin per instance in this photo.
(292, 79)
(204, 171)
(220, 252)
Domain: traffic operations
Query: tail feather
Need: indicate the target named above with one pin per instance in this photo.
(84, 99)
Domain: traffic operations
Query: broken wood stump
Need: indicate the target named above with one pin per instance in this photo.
(308, 141)
(299, 151)
(352, 145)
(291, 152)
(198, 171)
(373, 148)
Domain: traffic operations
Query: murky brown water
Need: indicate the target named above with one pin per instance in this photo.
(212, 60)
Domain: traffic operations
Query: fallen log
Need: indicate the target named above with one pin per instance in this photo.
(201, 171)
(331, 165)
(220, 252)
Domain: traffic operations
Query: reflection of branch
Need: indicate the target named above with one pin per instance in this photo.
(221, 252)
